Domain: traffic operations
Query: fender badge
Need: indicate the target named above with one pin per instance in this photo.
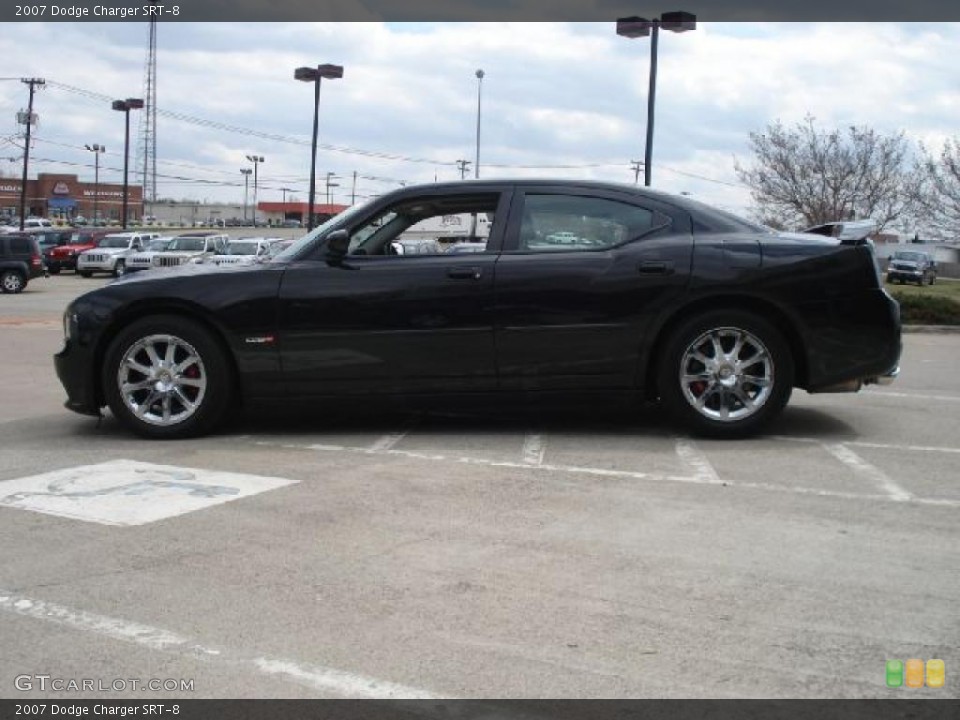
(260, 340)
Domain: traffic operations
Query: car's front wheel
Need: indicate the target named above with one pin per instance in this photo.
(726, 373)
(167, 377)
(120, 268)
(85, 273)
(12, 281)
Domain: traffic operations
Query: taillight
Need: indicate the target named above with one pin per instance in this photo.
(36, 261)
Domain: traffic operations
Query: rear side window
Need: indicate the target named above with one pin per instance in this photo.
(557, 223)
(20, 246)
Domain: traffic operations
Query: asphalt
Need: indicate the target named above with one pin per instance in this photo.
(498, 555)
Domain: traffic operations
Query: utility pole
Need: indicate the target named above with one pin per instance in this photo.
(28, 120)
(635, 166)
(462, 166)
(353, 190)
(246, 189)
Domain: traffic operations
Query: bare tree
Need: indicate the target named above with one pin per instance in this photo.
(803, 175)
(941, 199)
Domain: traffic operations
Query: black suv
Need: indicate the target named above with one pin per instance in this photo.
(20, 261)
(912, 266)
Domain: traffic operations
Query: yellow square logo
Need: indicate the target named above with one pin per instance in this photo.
(936, 673)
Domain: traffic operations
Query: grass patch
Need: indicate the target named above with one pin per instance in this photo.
(928, 305)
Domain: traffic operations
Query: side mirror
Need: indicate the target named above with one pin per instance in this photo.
(338, 245)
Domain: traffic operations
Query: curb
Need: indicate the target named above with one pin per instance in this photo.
(934, 329)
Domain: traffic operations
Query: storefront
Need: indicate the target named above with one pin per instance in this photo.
(65, 197)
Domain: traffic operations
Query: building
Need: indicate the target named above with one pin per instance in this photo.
(64, 196)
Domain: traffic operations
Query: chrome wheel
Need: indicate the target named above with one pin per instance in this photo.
(726, 374)
(12, 282)
(162, 380)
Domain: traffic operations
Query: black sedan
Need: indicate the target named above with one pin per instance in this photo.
(590, 289)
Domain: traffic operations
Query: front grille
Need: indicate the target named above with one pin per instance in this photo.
(168, 261)
(227, 260)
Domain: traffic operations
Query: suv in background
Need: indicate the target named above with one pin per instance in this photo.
(65, 257)
(194, 247)
(912, 266)
(20, 261)
(111, 255)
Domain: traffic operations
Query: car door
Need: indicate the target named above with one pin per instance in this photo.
(582, 275)
(388, 323)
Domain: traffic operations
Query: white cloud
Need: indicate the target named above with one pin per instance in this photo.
(554, 94)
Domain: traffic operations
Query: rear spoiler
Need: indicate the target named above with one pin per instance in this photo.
(848, 232)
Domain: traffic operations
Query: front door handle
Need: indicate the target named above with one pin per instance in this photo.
(656, 267)
(470, 273)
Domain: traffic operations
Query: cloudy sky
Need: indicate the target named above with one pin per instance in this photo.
(558, 99)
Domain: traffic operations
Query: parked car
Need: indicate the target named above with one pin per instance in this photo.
(194, 247)
(50, 238)
(912, 266)
(20, 261)
(291, 223)
(715, 317)
(111, 255)
(32, 222)
(64, 257)
(144, 260)
(244, 251)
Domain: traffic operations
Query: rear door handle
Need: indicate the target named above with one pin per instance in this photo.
(656, 267)
(470, 273)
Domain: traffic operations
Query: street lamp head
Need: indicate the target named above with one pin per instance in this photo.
(135, 103)
(255, 158)
(480, 74)
(330, 72)
(127, 105)
(246, 171)
(633, 27)
(96, 148)
(306, 74)
(678, 21)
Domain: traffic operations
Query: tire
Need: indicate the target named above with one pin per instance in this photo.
(12, 282)
(933, 279)
(718, 399)
(85, 273)
(120, 268)
(162, 400)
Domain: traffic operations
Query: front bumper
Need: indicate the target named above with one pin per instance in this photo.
(106, 266)
(67, 263)
(73, 365)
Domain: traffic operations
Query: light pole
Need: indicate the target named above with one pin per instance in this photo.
(246, 188)
(315, 75)
(125, 106)
(256, 160)
(635, 27)
(96, 150)
(476, 166)
(330, 176)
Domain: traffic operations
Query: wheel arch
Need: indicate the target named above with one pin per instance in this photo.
(763, 307)
(187, 311)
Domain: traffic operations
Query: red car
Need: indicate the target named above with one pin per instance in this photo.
(65, 256)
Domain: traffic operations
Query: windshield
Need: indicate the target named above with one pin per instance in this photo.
(331, 224)
(907, 256)
(115, 241)
(242, 248)
(157, 245)
(192, 244)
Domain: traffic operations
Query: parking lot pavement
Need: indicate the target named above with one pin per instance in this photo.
(486, 555)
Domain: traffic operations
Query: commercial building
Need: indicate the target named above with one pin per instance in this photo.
(65, 196)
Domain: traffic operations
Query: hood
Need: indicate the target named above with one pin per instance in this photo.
(185, 270)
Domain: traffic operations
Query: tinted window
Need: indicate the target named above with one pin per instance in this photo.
(20, 246)
(558, 223)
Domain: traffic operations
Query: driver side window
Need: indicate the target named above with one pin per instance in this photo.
(428, 226)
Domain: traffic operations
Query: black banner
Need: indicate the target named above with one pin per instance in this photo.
(488, 710)
(471, 10)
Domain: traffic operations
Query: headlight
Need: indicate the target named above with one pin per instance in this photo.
(196, 260)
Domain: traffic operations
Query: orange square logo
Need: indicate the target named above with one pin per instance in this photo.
(914, 674)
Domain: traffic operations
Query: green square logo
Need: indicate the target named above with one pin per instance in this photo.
(894, 673)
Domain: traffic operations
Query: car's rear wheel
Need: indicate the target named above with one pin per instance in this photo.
(12, 281)
(168, 377)
(85, 273)
(726, 373)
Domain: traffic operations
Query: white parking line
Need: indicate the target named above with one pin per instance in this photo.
(386, 442)
(533, 449)
(879, 446)
(913, 396)
(606, 472)
(693, 457)
(865, 469)
(331, 680)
